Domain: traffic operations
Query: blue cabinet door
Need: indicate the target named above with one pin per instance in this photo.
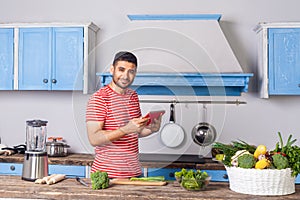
(67, 71)
(34, 58)
(51, 58)
(6, 58)
(284, 61)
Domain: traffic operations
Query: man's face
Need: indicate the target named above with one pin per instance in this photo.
(123, 74)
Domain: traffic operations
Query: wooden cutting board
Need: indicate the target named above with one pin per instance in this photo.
(128, 182)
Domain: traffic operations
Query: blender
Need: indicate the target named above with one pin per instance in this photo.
(35, 164)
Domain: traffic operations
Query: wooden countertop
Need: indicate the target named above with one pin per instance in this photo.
(14, 187)
(87, 160)
(71, 159)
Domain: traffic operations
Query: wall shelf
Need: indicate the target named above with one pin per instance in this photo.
(186, 84)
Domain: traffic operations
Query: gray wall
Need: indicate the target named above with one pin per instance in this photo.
(257, 122)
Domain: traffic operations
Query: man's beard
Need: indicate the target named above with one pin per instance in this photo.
(121, 86)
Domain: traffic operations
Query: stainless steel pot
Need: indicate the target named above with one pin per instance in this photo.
(203, 133)
(56, 148)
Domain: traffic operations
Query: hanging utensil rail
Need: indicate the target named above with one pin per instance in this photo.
(236, 102)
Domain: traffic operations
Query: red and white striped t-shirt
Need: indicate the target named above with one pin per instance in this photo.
(119, 158)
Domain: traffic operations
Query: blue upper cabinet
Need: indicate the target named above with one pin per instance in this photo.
(278, 58)
(284, 61)
(6, 58)
(51, 58)
(48, 56)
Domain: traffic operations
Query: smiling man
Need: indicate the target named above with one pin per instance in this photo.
(114, 122)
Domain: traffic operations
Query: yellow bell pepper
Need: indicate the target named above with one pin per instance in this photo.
(262, 164)
(260, 150)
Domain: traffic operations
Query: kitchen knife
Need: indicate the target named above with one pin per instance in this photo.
(81, 182)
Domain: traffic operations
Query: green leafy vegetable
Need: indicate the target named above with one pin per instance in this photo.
(150, 178)
(99, 180)
(192, 180)
(230, 149)
(291, 152)
(280, 161)
(241, 145)
(246, 161)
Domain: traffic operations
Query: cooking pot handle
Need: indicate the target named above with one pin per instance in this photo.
(172, 118)
(204, 113)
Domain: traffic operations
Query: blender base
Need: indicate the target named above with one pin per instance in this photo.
(35, 165)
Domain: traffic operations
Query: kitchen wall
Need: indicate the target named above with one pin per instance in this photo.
(256, 122)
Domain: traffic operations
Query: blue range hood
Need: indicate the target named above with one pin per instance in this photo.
(208, 65)
(186, 84)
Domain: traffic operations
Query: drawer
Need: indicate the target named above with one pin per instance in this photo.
(68, 170)
(11, 169)
(298, 179)
(168, 173)
(218, 175)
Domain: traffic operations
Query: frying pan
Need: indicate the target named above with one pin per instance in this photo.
(172, 134)
(203, 133)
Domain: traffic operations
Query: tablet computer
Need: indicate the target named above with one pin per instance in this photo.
(153, 115)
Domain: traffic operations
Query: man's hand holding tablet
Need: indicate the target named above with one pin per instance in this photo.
(153, 115)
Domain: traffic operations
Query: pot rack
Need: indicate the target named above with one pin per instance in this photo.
(236, 102)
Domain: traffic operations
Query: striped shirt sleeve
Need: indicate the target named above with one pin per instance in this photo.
(96, 109)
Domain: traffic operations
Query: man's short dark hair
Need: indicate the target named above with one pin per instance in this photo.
(125, 56)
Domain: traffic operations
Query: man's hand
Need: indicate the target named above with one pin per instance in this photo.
(135, 125)
(155, 125)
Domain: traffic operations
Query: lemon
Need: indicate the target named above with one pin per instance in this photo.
(219, 157)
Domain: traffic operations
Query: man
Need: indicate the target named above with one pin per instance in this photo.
(114, 121)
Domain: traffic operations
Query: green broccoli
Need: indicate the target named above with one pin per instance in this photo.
(99, 180)
(246, 161)
(280, 161)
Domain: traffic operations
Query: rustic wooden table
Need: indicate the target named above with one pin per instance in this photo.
(14, 187)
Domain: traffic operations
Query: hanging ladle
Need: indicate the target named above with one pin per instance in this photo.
(203, 133)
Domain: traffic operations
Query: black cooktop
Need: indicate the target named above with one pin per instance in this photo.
(145, 157)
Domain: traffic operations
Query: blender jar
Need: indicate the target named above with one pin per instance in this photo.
(36, 134)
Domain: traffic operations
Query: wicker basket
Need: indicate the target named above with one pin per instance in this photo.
(261, 182)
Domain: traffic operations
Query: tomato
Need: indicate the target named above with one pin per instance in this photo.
(280, 153)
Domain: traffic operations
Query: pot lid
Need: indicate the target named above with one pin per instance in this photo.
(55, 141)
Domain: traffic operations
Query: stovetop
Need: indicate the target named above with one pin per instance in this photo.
(144, 157)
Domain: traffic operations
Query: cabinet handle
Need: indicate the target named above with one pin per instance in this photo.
(225, 176)
(54, 81)
(12, 168)
(45, 80)
(171, 174)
